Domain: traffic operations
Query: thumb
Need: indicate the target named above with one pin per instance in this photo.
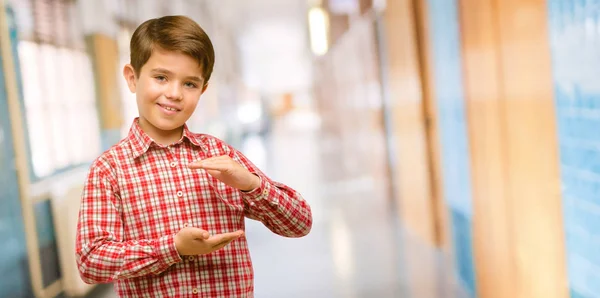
(200, 234)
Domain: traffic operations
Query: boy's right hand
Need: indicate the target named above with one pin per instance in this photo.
(191, 241)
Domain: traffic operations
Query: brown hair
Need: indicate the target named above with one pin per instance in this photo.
(172, 33)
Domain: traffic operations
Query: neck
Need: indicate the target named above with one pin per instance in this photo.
(162, 137)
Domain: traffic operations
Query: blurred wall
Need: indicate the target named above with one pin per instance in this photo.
(14, 261)
(519, 243)
(575, 46)
(486, 68)
(349, 102)
(408, 135)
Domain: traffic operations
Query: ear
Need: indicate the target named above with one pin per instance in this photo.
(129, 75)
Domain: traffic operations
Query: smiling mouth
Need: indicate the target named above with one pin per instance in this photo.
(169, 108)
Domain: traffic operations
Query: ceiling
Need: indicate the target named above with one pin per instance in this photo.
(272, 39)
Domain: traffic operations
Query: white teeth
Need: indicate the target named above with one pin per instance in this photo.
(169, 108)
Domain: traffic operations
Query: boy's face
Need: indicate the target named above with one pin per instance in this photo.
(167, 90)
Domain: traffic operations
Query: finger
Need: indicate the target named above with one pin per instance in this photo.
(222, 244)
(224, 239)
(197, 164)
(210, 164)
(219, 165)
(215, 166)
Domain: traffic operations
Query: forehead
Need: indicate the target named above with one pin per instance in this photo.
(173, 61)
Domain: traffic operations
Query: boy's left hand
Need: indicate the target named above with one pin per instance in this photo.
(228, 171)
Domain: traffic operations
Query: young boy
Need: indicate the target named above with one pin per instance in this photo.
(162, 212)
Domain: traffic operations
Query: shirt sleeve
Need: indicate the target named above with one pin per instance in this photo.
(279, 207)
(102, 255)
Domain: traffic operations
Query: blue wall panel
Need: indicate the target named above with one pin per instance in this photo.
(445, 35)
(575, 46)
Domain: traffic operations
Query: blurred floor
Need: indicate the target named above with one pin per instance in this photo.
(356, 249)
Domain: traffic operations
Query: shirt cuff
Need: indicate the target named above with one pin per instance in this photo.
(259, 192)
(167, 252)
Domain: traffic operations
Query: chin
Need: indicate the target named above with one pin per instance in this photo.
(166, 124)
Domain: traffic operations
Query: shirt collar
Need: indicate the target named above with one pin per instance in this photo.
(140, 141)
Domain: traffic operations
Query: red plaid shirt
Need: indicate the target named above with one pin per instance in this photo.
(139, 194)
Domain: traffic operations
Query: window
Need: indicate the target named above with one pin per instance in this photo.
(58, 87)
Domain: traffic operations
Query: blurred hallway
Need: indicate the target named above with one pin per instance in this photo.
(356, 249)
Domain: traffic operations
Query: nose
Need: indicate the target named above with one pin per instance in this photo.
(173, 91)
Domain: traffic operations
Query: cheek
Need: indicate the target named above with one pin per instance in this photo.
(192, 101)
(150, 91)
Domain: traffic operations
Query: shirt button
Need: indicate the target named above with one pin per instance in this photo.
(173, 164)
(185, 225)
(180, 193)
(195, 291)
(191, 258)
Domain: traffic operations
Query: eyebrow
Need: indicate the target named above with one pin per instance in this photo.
(168, 72)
